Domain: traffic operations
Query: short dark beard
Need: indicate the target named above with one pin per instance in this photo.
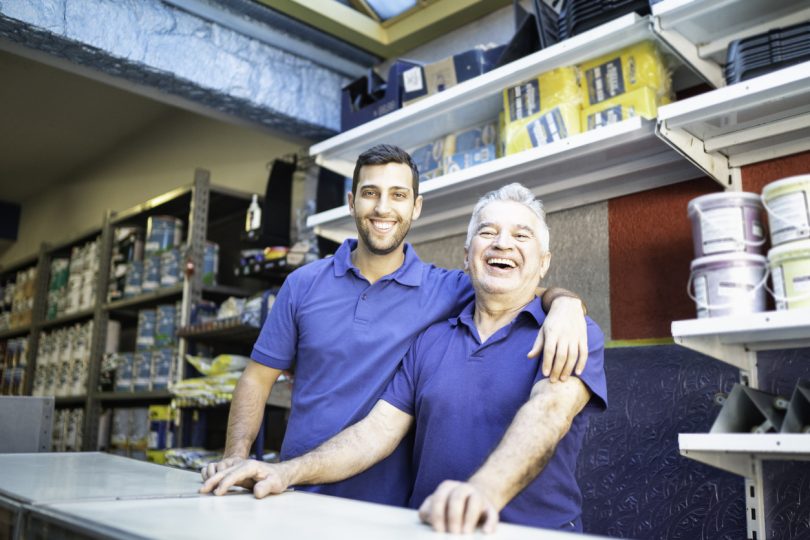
(364, 236)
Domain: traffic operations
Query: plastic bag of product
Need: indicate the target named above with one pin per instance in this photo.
(221, 364)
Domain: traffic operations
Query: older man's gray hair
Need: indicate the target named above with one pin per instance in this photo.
(514, 192)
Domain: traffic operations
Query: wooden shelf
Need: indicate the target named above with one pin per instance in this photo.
(17, 331)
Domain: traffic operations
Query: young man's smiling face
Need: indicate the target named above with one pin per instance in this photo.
(505, 255)
(383, 206)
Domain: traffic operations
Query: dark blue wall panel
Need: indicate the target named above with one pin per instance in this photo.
(634, 481)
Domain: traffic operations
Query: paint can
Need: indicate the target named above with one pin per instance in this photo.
(790, 274)
(145, 333)
(162, 233)
(133, 279)
(210, 263)
(726, 222)
(151, 274)
(728, 284)
(787, 202)
(170, 268)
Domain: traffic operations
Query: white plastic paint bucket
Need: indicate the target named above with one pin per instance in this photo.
(788, 204)
(728, 284)
(726, 222)
(790, 273)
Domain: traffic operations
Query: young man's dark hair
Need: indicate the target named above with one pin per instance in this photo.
(382, 154)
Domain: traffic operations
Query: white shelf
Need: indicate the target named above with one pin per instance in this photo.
(597, 165)
(700, 30)
(736, 452)
(755, 120)
(475, 101)
(729, 338)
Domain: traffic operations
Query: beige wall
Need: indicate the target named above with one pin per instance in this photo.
(156, 160)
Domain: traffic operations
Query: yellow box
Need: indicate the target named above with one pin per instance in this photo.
(624, 71)
(543, 128)
(542, 93)
(160, 412)
(156, 456)
(642, 102)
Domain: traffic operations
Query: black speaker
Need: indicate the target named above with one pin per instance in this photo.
(330, 194)
(276, 216)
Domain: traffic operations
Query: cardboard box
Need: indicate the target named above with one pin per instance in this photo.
(642, 102)
(428, 159)
(542, 93)
(470, 158)
(448, 72)
(623, 71)
(370, 97)
(543, 128)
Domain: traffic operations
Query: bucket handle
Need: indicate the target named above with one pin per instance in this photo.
(788, 299)
(762, 283)
(744, 241)
(790, 223)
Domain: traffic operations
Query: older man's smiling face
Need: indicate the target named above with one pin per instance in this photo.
(505, 254)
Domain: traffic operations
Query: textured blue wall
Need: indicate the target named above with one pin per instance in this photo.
(156, 46)
(636, 484)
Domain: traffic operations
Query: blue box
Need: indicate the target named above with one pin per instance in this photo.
(370, 97)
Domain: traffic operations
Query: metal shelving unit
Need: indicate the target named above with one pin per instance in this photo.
(609, 162)
(735, 340)
(597, 165)
(700, 30)
(752, 121)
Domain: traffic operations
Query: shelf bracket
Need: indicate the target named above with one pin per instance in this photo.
(755, 502)
(739, 464)
(710, 345)
(715, 165)
(688, 52)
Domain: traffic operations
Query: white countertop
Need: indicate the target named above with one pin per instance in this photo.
(53, 477)
(291, 515)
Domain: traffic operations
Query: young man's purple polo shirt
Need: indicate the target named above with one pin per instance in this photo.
(464, 395)
(346, 339)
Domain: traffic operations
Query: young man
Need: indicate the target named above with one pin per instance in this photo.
(347, 321)
(465, 387)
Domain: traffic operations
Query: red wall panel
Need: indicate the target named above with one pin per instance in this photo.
(754, 177)
(650, 252)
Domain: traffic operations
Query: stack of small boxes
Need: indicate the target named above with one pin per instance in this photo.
(63, 357)
(457, 151)
(17, 299)
(66, 435)
(152, 365)
(629, 82)
(13, 359)
(73, 281)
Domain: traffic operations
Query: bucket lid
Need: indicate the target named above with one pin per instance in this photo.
(785, 182)
(790, 250)
(735, 256)
(752, 199)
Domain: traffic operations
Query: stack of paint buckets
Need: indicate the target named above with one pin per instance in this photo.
(787, 202)
(729, 274)
(729, 271)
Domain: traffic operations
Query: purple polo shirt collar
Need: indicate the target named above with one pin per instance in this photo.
(409, 274)
(533, 309)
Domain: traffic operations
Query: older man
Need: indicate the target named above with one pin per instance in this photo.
(493, 435)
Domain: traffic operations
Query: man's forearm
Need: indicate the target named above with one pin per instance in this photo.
(353, 450)
(530, 441)
(246, 414)
(547, 297)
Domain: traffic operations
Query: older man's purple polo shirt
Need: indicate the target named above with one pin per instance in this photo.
(464, 394)
(346, 339)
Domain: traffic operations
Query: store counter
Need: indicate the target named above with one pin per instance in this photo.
(96, 495)
(289, 516)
